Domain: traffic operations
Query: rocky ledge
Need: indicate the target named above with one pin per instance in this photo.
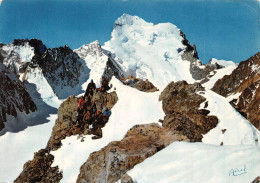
(181, 105)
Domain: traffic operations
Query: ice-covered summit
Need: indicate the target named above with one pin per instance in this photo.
(149, 51)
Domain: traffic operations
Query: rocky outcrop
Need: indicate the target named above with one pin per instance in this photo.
(181, 105)
(244, 79)
(104, 100)
(67, 114)
(113, 161)
(62, 68)
(197, 69)
(248, 103)
(145, 86)
(40, 170)
(139, 84)
(112, 69)
(39, 47)
(14, 97)
(243, 76)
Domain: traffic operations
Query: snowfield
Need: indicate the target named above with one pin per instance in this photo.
(18, 148)
(238, 130)
(183, 162)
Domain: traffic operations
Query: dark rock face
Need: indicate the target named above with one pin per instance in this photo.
(62, 68)
(13, 96)
(245, 79)
(248, 103)
(180, 104)
(112, 69)
(243, 76)
(39, 47)
(112, 162)
(40, 170)
(190, 54)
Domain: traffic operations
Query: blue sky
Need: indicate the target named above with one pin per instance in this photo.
(223, 29)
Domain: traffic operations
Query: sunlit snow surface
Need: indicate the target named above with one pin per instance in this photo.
(183, 162)
(149, 51)
(18, 148)
(133, 107)
(238, 129)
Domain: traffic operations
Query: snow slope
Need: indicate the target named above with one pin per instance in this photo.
(238, 129)
(133, 107)
(18, 148)
(149, 51)
(199, 163)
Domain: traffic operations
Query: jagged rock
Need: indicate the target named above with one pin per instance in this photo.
(245, 79)
(39, 169)
(248, 104)
(181, 97)
(104, 99)
(112, 69)
(62, 68)
(13, 96)
(145, 86)
(181, 105)
(112, 162)
(139, 84)
(242, 77)
(39, 47)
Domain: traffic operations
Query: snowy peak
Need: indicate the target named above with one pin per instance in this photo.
(99, 61)
(93, 49)
(127, 19)
(149, 51)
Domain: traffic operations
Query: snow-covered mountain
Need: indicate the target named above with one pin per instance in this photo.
(189, 111)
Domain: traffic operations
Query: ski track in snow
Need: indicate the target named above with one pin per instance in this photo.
(133, 107)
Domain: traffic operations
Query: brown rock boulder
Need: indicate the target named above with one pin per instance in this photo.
(112, 162)
(181, 97)
(40, 170)
(104, 99)
(181, 105)
(145, 86)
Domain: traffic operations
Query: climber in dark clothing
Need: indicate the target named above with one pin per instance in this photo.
(86, 120)
(104, 85)
(80, 115)
(90, 89)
